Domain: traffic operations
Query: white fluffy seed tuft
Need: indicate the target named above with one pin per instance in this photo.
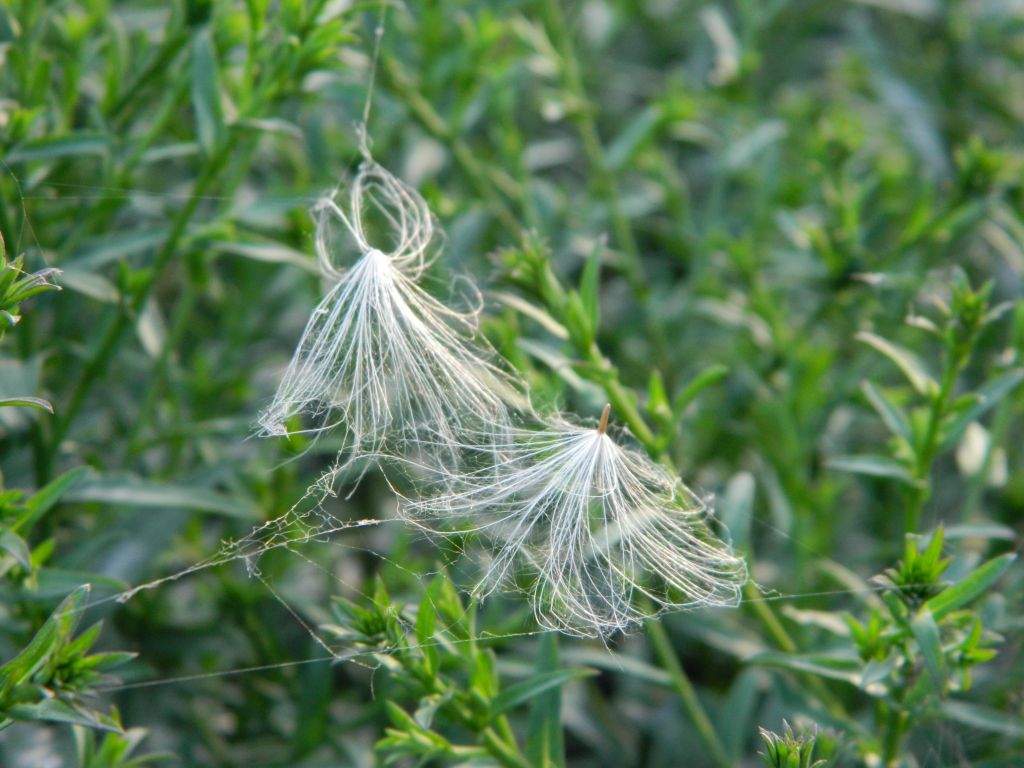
(610, 536)
(380, 357)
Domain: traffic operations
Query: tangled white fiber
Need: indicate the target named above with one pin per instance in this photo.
(380, 356)
(611, 537)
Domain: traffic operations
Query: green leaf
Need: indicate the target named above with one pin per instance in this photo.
(31, 285)
(619, 664)
(426, 623)
(556, 360)
(984, 718)
(206, 92)
(544, 744)
(69, 613)
(90, 284)
(135, 492)
(273, 253)
(657, 399)
(100, 251)
(57, 711)
(27, 402)
(633, 136)
(43, 500)
(54, 582)
(926, 632)
(893, 418)
(407, 724)
(844, 668)
(907, 362)
(578, 321)
(986, 398)
(151, 328)
(523, 307)
(981, 530)
(516, 694)
(426, 620)
(85, 640)
(874, 466)
(274, 125)
(57, 628)
(971, 587)
(16, 547)
(739, 710)
(742, 151)
(706, 378)
(79, 144)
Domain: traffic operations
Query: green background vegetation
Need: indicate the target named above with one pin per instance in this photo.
(796, 208)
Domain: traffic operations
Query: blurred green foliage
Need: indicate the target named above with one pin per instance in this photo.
(790, 750)
(784, 239)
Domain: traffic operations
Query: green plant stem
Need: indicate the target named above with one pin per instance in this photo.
(768, 619)
(782, 639)
(926, 454)
(621, 401)
(502, 752)
(604, 179)
(895, 731)
(684, 688)
(505, 729)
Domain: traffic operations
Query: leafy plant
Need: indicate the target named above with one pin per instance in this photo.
(53, 677)
(789, 749)
(909, 655)
(115, 749)
(15, 287)
(664, 214)
(938, 422)
(439, 664)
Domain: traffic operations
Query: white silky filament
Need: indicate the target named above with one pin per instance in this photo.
(611, 537)
(380, 356)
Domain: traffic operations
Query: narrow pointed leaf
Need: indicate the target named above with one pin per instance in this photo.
(892, 416)
(27, 402)
(987, 398)
(206, 92)
(79, 144)
(926, 632)
(984, 718)
(57, 711)
(522, 692)
(43, 500)
(544, 744)
(970, 588)
(706, 378)
(835, 668)
(874, 466)
(136, 492)
(15, 546)
(907, 362)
